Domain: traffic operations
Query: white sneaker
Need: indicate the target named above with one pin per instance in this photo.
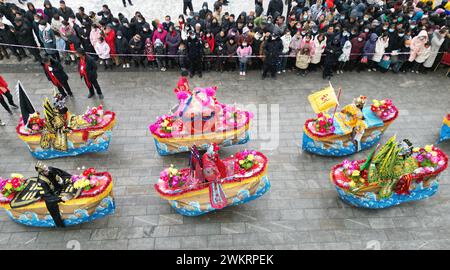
(124, 66)
(243, 73)
(369, 70)
(279, 72)
(284, 71)
(2, 124)
(163, 69)
(128, 65)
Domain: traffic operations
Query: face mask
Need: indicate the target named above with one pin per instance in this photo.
(360, 39)
(160, 30)
(36, 20)
(401, 35)
(342, 17)
(366, 30)
(413, 26)
(139, 20)
(119, 37)
(305, 17)
(391, 30)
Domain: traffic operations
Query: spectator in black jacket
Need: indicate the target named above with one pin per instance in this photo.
(49, 10)
(273, 48)
(55, 73)
(7, 36)
(88, 71)
(195, 53)
(65, 11)
(275, 8)
(25, 37)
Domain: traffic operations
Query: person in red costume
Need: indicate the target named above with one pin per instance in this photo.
(4, 91)
(214, 171)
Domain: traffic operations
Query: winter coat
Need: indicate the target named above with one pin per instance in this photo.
(57, 70)
(202, 13)
(436, 42)
(149, 51)
(110, 39)
(275, 8)
(136, 46)
(417, 45)
(91, 68)
(94, 36)
(357, 47)
(24, 35)
(272, 50)
(49, 12)
(6, 36)
(380, 47)
(302, 60)
(244, 53)
(423, 55)
(103, 51)
(309, 45)
(369, 47)
(295, 45)
(194, 49)
(48, 39)
(346, 49)
(319, 48)
(66, 13)
(173, 40)
(160, 35)
(121, 45)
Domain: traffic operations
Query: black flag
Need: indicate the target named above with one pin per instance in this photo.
(26, 107)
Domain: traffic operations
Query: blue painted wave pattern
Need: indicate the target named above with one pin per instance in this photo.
(163, 150)
(106, 207)
(445, 133)
(101, 144)
(370, 201)
(338, 148)
(242, 197)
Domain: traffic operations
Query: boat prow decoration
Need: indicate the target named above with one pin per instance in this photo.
(350, 131)
(363, 184)
(240, 181)
(200, 120)
(445, 129)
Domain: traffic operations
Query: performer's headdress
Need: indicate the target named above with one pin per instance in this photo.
(360, 101)
(40, 167)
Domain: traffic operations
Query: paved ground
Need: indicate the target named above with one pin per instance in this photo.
(301, 211)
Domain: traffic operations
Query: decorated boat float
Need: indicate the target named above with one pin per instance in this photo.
(199, 119)
(445, 129)
(394, 174)
(353, 129)
(211, 183)
(61, 133)
(56, 198)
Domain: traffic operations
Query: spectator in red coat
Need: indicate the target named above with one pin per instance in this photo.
(160, 34)
(110, 38)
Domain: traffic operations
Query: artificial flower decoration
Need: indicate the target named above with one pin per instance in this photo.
(383, 108)
(87, 180)
(35, 123)
(9, 187)
(94, 115)
(324, 124)
(245, 161)
(173, 178)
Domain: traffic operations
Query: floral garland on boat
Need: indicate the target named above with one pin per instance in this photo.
(9, 187)
(86, 181)
(383, 108)
(94, 116)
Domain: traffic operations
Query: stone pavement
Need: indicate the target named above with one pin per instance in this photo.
(301, 211)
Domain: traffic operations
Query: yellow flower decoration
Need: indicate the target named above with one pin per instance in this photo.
(16, 175)
(355, 173)
(8, 186)
(434, 153)
(416, 149)
(352, 184)
(250, 157)
(429, 147)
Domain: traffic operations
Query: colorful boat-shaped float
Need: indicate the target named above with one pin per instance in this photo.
(353, 129)
(74, 200)
(200, 120)
(210, 183)
(395, 174)
(62, 134)
(445, 129)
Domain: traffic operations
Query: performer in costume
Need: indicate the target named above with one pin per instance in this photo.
(88, 71)
(55, 131)
(56, 74)
(214, 171)
(355, 119)
(54, 182)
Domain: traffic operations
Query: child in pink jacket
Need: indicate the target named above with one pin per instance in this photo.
(244, 52)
